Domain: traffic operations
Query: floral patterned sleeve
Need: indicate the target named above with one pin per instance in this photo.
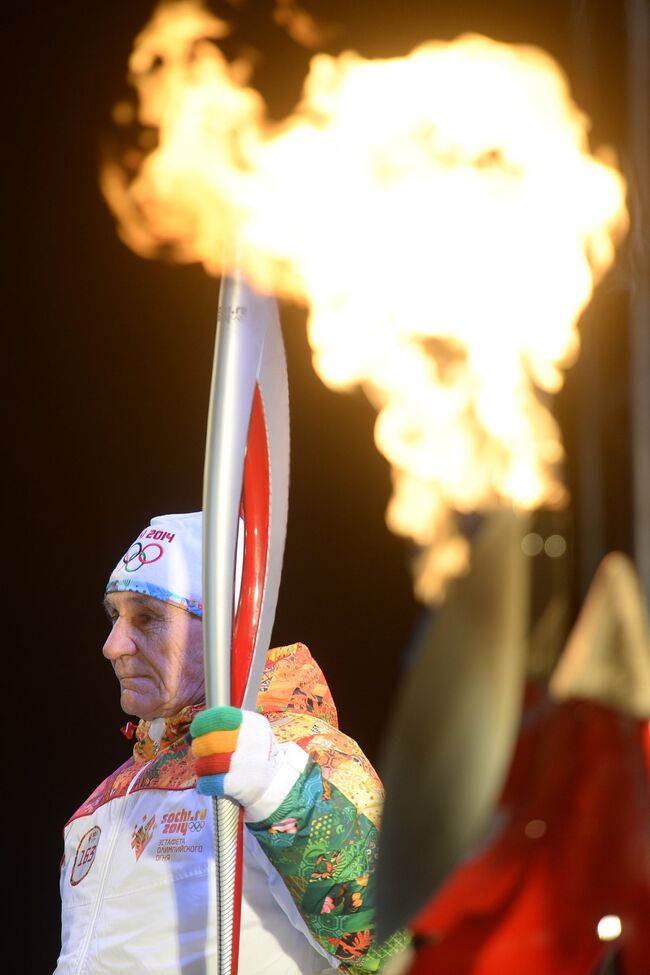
(323, 841)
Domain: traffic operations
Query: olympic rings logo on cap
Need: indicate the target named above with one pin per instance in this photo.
(142, 555)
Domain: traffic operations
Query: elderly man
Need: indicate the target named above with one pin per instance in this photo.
(137, 880)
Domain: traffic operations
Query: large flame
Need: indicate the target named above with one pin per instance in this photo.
(440, 215)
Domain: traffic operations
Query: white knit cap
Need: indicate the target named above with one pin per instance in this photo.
(165, 561)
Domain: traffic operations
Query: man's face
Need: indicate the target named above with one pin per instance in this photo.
(157, 654)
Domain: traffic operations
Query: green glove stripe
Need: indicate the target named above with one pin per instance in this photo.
(224, 718)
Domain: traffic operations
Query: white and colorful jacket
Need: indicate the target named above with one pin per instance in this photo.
(138, 882)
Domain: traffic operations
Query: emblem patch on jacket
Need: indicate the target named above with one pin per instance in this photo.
(187, 825)
(185, 820)
(141, 835)
(85, 855)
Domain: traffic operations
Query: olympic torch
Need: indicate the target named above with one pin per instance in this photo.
(246, 479)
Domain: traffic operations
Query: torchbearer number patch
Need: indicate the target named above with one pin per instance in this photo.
(85, 855)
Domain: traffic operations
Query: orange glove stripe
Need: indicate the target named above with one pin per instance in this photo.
(215, 742)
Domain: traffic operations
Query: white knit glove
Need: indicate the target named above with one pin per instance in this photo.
(237, 756)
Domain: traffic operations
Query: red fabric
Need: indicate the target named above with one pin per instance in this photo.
(574, 846)
(646, 744)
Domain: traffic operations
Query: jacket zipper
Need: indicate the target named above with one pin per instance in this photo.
(102, 882)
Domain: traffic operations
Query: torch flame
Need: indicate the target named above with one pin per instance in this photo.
(441, 217)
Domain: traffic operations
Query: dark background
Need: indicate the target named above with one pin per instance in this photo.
(107, 372)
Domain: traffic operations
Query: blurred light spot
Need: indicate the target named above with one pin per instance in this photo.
(300, 25)
(123, 113)
(148, 139)
(609, 927)
(555, 546)
(535, 828)
(532, 544)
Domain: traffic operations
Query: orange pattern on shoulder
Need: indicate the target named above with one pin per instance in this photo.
(293, 681)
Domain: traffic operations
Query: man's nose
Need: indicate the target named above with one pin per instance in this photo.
(119, 641)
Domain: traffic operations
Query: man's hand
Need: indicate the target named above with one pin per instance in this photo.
(237, 756)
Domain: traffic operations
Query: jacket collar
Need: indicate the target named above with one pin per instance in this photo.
(162, 734)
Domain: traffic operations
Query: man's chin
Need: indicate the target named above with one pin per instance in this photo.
(135, 705)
